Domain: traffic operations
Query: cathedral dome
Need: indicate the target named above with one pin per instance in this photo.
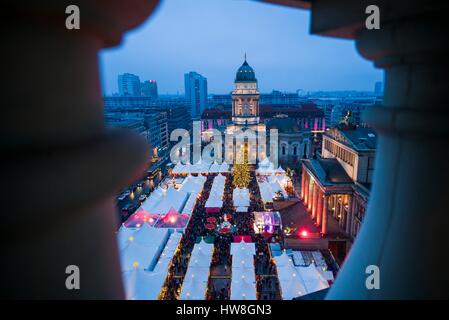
(245, 73)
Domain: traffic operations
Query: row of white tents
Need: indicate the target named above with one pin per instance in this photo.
(145, 257)
(267, 168)
(194, 286)
(270, 186)
(200, 167)
(243, 283)
(215, 200)
(296, 281)
(182, 199)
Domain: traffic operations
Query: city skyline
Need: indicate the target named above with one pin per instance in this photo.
(285, 59)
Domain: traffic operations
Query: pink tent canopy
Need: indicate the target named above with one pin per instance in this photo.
(140, 217)
(246, 239)
(173, 219)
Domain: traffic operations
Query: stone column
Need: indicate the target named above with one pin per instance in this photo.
(350, 214)
(320, 208)
(62, 167)
(324, 216)
(413, 133)
(303, 173)
(309, 205)
(306, 190)
(315, 201)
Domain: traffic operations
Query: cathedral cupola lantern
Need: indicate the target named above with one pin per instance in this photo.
(245, 96)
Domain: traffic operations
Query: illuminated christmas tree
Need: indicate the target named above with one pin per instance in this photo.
(242, 175)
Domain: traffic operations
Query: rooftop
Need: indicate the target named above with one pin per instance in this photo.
(358, 138)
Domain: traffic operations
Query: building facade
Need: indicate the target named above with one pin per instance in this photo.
(149, 89)
(337, 186)
(129, 85)
(195, 86)
(157, 124)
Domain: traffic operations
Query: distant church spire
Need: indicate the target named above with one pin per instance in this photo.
(245, 56)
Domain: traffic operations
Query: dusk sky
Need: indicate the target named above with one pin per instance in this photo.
(211, 38)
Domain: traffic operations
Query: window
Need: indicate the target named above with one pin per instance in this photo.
(294, 151)
(283, 150)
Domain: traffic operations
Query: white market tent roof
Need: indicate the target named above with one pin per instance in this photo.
(265, 167)
(216, 192)
(280, 170)
(243, 289)
(195, 281)
(297, 281)
(149, 236)
(214, 168)
(162, 202)
(243, 284)
(124, 236)
(145, 265)
(194, 286)
(168, 253)
(142, 285)
(143, 251)
(240, 197)
(243, 248)
(224, 167)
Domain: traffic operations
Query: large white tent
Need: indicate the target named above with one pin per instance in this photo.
(124, 236)
(240, 197)
(224, 167)
(143, 248)
(145, 260)
(243, 283)
(214, 168)
(299, 280)
(169, 251)
(194, 286)
(142, 285)
(243, 248)
(243, 289)
(215, 199)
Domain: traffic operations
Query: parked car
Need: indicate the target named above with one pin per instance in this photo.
(142, 197)
(122, 197)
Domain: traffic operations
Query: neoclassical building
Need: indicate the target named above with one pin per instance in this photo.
(245, 131)
(337, 186)
(247, 128)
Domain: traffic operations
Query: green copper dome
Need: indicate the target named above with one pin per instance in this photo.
(245, 73)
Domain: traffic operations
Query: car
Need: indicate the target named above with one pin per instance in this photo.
(122, 197)
(139, 185)
(142, 197)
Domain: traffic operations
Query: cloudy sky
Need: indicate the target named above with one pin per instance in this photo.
(211, 38)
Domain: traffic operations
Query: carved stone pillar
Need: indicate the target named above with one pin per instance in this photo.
(404, 231)
(62, 167)
(302, 183)
(324, 217)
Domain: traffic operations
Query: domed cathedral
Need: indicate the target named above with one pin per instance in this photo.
(245, 96)
(245, 116)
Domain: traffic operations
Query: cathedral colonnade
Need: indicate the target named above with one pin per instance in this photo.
(315, 200)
